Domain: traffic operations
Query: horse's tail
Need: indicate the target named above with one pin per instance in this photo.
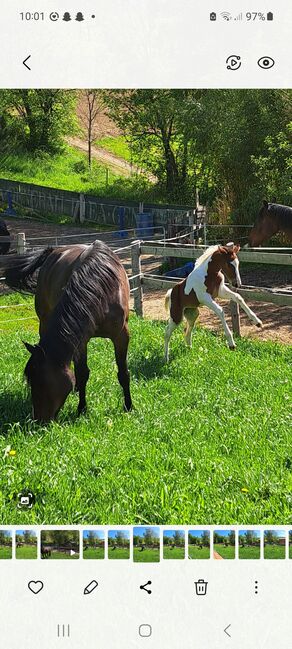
(19, 271)
(167, 299)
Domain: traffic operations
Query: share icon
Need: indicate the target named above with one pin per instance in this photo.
(144, 587)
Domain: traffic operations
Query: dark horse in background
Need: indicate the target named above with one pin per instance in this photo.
(4, 232)
(272, 218)
(81, 292)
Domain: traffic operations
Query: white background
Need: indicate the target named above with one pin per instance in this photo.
(144, 43)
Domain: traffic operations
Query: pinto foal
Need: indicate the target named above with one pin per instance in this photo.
(201, 287)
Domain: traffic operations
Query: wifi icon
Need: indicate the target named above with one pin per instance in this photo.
(226, 15)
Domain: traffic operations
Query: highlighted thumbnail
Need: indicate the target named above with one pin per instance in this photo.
(60, 544)
(119, 544)
(26, 546)
(199, 544)
(224, 544)
(93, 544)
(249, 544)
(5, 544)
(173, 544)
(146, 544)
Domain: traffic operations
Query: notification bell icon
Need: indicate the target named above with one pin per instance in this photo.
(79, 17)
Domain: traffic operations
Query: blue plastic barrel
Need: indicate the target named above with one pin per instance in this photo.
(144, 225)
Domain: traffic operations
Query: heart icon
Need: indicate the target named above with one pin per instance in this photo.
(35, 586)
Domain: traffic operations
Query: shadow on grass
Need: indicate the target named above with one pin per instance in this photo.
(14, 408)
(148, 367)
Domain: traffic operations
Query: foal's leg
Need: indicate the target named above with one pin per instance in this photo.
(217, 309)
(227, 294)
(191, 317)
(169, 330)
(82, 376)
(121, 344)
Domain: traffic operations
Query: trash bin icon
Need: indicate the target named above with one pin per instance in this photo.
(201, 587)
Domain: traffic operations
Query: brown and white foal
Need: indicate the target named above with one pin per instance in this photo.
(201, 287)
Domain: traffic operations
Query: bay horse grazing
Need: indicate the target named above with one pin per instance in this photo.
(272, 218)
(4, 232)
(81, 292)
(46, 552)
(203, 285)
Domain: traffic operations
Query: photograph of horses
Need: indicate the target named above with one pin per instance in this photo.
(26, 545)
(173, 544)
(249, 544)
(146, 544)
(199, 544)
(60, 544)
(93, 544)
(145, 311)
(5, 544)
(119, 544)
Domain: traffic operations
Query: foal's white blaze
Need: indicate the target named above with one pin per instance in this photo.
(235, 263)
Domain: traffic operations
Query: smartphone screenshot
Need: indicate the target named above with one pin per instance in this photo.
(145, 324)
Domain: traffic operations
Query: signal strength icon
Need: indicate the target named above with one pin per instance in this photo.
(239, 17)
(226, 15)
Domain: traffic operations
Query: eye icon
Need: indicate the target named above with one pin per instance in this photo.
(266, 62)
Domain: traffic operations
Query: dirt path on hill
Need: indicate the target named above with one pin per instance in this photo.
(108, 158)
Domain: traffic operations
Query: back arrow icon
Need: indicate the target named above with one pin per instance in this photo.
(226, 630)
(25, 60)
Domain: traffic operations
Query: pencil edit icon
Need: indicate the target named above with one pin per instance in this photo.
(90, 587)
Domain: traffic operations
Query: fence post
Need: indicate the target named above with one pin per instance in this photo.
(82, 208)
(191, 225)
(20, 243)
(136, 270)
(235, 317)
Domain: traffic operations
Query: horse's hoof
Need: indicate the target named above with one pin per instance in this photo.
(128, 408)
(81, 410)
(259, 325)
(233, 348)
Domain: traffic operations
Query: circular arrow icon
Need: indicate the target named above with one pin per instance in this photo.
(54, 16)
(233, 62)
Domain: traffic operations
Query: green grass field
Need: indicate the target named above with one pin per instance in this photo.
(253, 552)
(195, 553)
(147, 556)
(61, 555)
(93, 553)
(26, 552)
(274, 552)
(116, 145)
(290, 550)
(5, 553)
(119, 553)
(176, 553)
(225, 552)
(206, 426)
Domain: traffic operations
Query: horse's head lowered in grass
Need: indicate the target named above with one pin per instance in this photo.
(50, 383)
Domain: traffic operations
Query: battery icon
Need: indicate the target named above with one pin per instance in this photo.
(270, 15)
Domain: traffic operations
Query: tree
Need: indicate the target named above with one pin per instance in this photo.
(44, 116)
(206, 539)
(91, 105)
(158, 126)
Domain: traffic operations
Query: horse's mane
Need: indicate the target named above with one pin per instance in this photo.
(207, 253)
(85, 300)
(283, 211)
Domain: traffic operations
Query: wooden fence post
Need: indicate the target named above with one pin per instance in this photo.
(20, 243)
(82, 208)
(136, 272)
(235, 317)
(191, 225)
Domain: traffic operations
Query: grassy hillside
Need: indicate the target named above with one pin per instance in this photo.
(208, 439)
